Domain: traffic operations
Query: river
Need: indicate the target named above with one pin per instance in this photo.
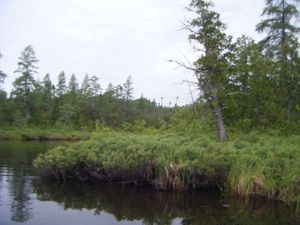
(26, 199)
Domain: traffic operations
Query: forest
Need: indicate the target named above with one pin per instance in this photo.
(68, 105)
(241, 89)
(248, 110)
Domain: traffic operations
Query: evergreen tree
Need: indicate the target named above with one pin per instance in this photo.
(281, 45)
(3, 98)
(61, 85)
(70, 106)
(128, 89)
(95, 87)
(85, 86)
(24, 85)
(73, 85)
(89, 100)
(278, 24)
(212, 68)
(2, 74)
(48, 99)
(90, 86)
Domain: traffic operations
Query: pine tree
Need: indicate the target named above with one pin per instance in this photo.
(128, 89)
(73, 85)
(24, 85)
(61, 86)
(48, 98)
(90, 86)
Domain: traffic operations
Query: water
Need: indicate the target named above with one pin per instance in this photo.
(26, 199)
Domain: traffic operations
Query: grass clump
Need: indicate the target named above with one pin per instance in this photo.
(253, 165)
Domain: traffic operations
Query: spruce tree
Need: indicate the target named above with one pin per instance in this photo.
(61, 85)
(24, 85)
(281, 45)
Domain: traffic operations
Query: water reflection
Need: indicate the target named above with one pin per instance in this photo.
(20, 190)
(163, 208)
(16, 177)
(28, 200)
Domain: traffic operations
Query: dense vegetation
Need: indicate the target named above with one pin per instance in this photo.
(261, 165)
(174, 147)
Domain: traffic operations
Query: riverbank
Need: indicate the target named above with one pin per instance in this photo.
(39, 134)
(254, 165)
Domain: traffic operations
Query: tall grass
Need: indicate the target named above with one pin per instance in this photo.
(254, 165)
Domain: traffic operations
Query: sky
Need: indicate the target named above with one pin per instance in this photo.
(113, 39)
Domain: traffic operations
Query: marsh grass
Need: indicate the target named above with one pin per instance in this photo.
(253, 165)
(42, 134)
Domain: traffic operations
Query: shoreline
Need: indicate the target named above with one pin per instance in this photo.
(39, 134)
(248, 168)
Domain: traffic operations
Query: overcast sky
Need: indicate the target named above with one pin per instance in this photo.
(112, 39)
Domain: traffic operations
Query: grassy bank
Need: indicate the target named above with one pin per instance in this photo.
(254, 165)
(39, 134)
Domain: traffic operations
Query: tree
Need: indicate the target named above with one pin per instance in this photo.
(128, 89)
(279, 27)
(281, 45)
(89, 101)
(24, 85)
(73, 85)
(61, 85)
(69, 106)
(3, 97)
(212, 68)
(90, 86)
(47, 93)
(2, 74)
(251, 99)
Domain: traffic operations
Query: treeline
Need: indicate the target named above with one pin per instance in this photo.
(246, 84)
(70, 105)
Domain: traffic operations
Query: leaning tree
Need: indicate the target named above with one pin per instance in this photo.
(207, 33)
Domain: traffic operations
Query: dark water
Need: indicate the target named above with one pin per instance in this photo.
(25, 199)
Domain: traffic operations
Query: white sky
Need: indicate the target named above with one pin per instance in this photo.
(112, 39)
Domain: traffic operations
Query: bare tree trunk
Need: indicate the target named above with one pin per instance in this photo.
(220, 124)
(217, 112)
